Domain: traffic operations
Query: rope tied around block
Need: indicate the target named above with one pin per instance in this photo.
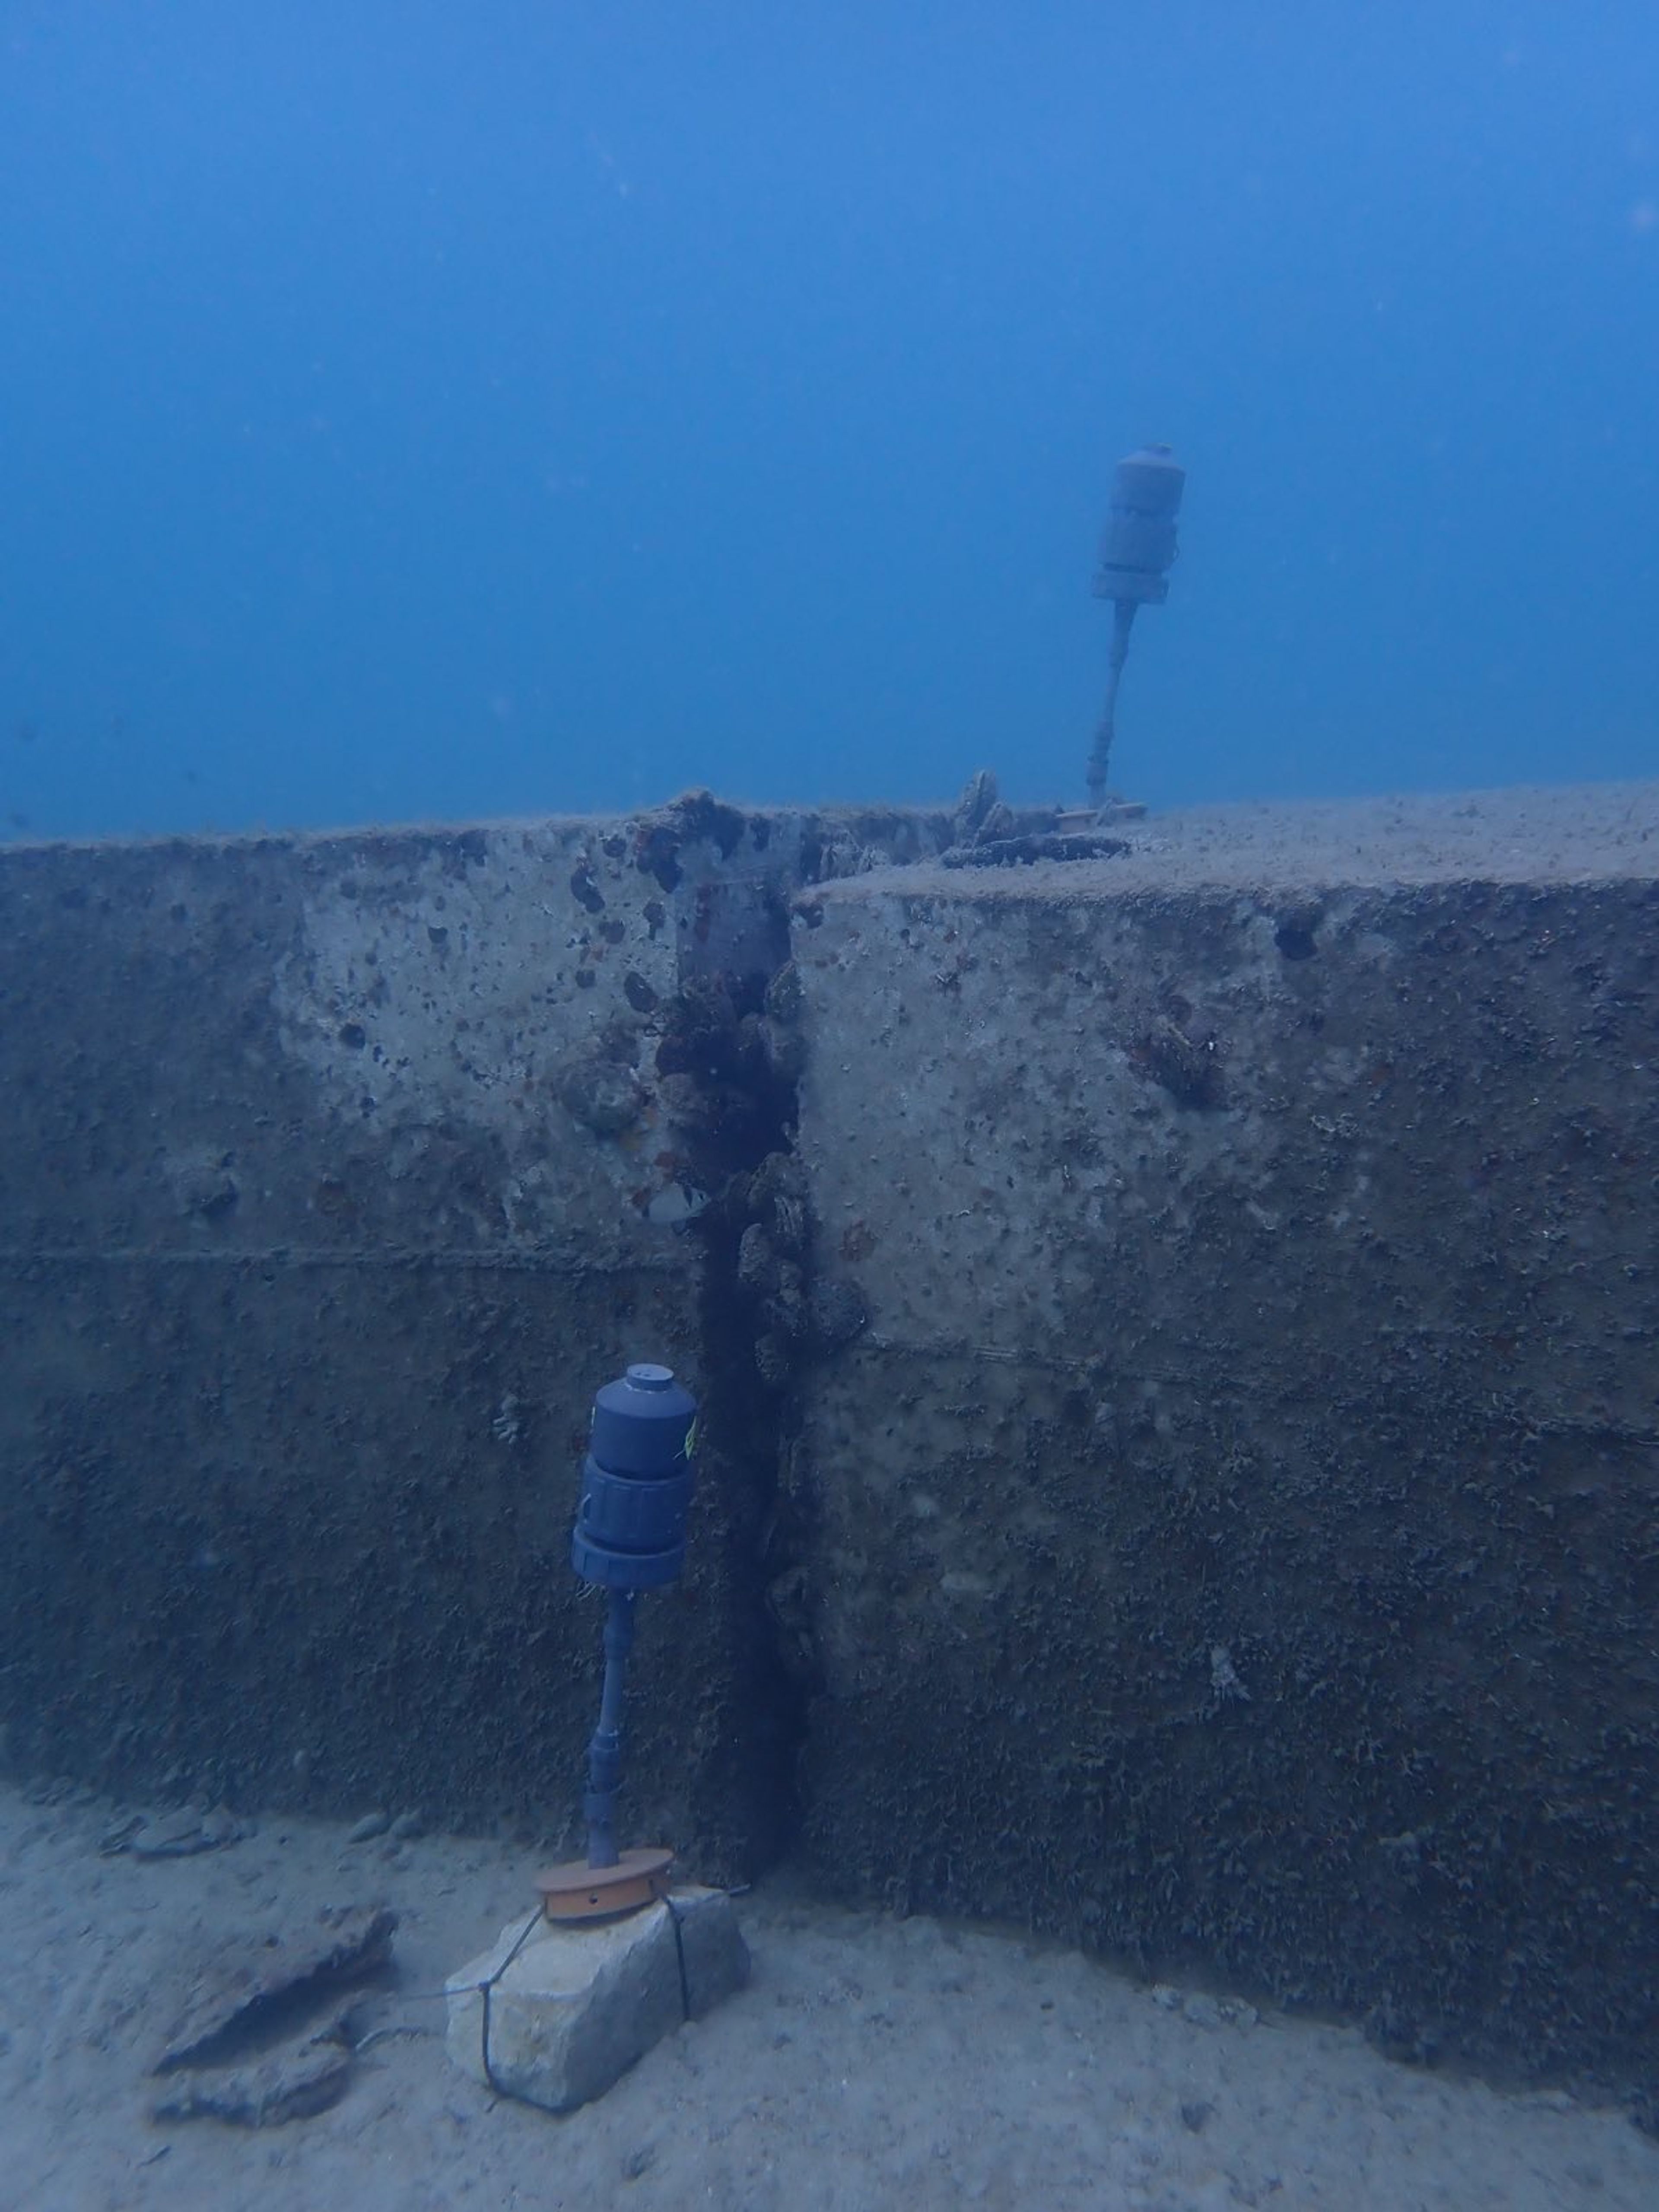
(487, 1987)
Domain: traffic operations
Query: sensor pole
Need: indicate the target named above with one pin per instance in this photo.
(605, 1750)
(630, 1537)
(1123, 617)
(1136, 549)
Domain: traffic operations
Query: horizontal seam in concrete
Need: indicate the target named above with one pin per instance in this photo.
(1020, 1355)
(957, 1347)
(1513, 1416)
(16, 1258)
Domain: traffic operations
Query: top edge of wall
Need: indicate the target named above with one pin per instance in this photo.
(1544, 836)
(689, 812)
(1518, 834)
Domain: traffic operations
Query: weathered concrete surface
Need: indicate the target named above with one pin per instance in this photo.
(1235, 1539)
(335, 1174)
(1232, 1538)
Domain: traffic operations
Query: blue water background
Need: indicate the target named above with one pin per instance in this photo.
(413, 410)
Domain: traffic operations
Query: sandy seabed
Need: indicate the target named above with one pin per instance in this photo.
(871, 2062)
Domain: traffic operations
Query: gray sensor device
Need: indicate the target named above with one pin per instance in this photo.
(1137, 549)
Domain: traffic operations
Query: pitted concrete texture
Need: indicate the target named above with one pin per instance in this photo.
(309, 1270)
(335, 1176)
(1235, 1539)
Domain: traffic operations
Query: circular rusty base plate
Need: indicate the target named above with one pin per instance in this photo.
(576, 1891)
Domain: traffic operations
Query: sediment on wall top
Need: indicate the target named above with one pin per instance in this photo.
(1587, 832)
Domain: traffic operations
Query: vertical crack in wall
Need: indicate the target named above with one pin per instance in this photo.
(730, 1059)
(352, 1171)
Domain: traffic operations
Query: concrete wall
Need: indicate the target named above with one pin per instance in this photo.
(335, 1176)
(1177, 1336)
(1234, 1542)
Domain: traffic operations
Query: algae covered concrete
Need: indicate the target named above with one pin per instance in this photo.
(1175, 1332)
(335, 1174)
(1234, 1541)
